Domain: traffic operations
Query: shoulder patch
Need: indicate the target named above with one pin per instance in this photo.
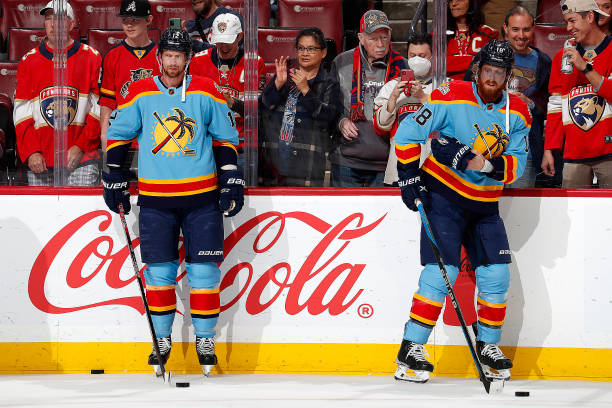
(31, 52)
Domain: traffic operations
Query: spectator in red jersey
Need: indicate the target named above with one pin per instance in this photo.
(468, 35)
(605, 22)
(579, 121)
(224, 64)
(36, 105)
(129, 61)
(299, 110)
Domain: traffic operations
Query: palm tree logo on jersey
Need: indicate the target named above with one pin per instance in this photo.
(181, 124)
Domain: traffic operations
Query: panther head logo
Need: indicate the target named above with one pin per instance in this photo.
(586, 110)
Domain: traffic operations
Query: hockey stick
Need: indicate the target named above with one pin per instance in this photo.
(187, 152)
(166, 375)
(490, 386)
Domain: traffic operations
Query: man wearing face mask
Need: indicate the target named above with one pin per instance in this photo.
(397, 99)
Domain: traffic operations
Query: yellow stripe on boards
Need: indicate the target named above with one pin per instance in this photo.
(296, 358)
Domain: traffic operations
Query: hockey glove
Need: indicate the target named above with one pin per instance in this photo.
(116, 191)
(231, 197)
(451, 152)
(413, 188)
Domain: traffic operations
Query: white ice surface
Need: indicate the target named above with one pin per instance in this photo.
(271, 391)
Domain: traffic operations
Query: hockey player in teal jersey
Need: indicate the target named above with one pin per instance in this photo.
(482, 145)
(187, 178)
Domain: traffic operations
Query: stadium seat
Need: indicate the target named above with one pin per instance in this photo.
(97, 13)
(162, 10)
(325, 14)
(104, 40)
(263, 10)
(276, 42)
(6, 102)
(8, 78)
(20, 13)
(22, 40)
(549, 12)
(550, 38)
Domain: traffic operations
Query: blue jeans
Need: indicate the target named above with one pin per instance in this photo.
(343, 176)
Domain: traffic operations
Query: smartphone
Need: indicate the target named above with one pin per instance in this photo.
(175, 23)
(407, 75)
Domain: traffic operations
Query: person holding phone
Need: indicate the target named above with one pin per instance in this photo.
(298, 110)
(401, 97)
(131, 60)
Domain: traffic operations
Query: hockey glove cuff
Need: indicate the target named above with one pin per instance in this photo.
(413, 188)
(231, 192)
(451, 152)
(116, 191)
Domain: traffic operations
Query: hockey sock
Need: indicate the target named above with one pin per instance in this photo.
(427, 303)
(160, 279)
(493, 282)
(204, 279)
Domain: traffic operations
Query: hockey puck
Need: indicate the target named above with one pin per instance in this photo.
(521, 393)
(94, 371)
(182, 384)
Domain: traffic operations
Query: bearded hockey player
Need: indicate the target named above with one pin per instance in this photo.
(187, 177)
(482, 145)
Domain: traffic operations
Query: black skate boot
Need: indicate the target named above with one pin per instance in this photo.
(492, 358)
(205, 347)
(411, 363)
(164, 344)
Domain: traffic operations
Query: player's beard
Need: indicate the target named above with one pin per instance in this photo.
(176, 72)
(206, 6)
(488, 94)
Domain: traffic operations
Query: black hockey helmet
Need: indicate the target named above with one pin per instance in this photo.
(497, 53)
(135, 8)
(175, 40)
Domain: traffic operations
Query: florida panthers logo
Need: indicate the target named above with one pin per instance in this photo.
(491, 143)
(135, 75)
(50, 98)
(172, 134)
(585, 107)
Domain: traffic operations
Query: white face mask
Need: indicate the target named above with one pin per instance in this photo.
(421, 66)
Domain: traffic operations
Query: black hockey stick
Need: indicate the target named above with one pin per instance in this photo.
(490, 386)
(165, 375)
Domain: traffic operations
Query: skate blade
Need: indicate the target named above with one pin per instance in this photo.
(496, 386)
(496, 375)
(168, 378)
(157, 370)
(404, 373)
(206, 369)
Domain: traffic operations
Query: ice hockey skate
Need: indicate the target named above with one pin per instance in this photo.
(205, 347)
(411, 363)
(165, 345)
(495, 364)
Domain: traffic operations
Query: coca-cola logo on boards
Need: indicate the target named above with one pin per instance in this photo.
(319, 266)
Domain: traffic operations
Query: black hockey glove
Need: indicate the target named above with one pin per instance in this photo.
(451, 152)
(116, 191)
(231, 196)
(413, 188)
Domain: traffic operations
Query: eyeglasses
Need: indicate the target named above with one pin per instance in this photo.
(306, 50)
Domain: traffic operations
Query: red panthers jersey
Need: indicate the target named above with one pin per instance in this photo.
(123, 65)
(229, 76)
(579, 119)
(36, 97)
(463, 46)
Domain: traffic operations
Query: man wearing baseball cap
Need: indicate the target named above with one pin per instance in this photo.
(579, 122)
(37, 99)
(361, 157)
(133, 59)
(224, 64)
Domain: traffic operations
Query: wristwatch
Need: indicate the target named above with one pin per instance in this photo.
(587, 68)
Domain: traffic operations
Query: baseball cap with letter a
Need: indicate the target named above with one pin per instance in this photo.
(135, 8)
